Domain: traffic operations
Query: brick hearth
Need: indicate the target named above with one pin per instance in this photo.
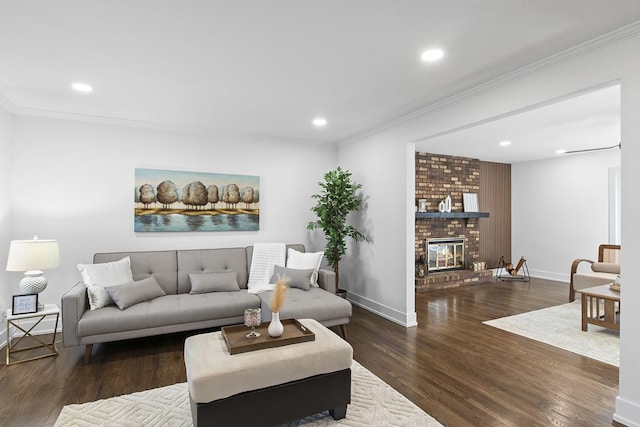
(452, 279)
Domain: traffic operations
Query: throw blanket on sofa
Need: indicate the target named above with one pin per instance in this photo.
(265, 257)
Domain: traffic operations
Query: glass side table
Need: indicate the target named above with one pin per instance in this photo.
(13, 321)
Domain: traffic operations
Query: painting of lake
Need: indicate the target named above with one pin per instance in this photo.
(168, 200)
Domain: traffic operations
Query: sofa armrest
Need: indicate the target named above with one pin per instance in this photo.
(74, 303)
(327, 280)
(574, 270)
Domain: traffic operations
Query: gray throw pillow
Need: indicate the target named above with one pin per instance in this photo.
(202, 283)
(295, 278)
(135, 292)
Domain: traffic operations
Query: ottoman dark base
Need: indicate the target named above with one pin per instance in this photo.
(279, 404)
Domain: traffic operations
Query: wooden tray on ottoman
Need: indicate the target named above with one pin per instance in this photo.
(237, 342)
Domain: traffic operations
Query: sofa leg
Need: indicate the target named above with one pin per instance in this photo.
(87, 353)
(343, 329)
(572, 294)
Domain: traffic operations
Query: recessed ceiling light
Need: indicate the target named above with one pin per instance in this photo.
(561, 151)
(505, 143)
(432, 55)
(319, 122)
(81, 87)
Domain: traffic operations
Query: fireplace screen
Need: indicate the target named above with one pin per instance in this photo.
(445, 254)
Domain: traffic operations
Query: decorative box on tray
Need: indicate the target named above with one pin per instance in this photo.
(237, 342)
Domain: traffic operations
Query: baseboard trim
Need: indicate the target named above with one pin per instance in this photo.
(549, 275)
(627, 413)
(407, 320)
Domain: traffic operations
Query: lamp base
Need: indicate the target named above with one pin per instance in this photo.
(34, 282)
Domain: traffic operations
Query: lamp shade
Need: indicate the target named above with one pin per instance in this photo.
(29, 255)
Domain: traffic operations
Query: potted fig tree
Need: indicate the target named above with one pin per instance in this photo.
(336, 200)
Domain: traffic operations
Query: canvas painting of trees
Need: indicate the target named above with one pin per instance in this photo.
(167, 200)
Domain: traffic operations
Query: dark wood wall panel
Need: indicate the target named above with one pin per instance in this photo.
(495, 198)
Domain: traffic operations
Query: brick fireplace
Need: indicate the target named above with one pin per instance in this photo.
(436, 177)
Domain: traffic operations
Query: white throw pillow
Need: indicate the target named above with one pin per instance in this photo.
(304, 261)
(97, 276)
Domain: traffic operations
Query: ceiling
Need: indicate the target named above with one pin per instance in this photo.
(269, 67)
(583, 122)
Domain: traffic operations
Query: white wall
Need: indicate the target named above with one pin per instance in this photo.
(375, 273)
(380, 157)
(553, 202)
(6, 124)
(74, 181)
(628, 401)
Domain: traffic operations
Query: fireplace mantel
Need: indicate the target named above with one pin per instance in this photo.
(436, 215)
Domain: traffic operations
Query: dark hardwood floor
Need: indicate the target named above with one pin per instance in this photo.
(458, 370)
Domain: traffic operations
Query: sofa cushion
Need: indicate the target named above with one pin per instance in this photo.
(315, 303)
(211, 261)
(303, 261)
(132, 293)
(202, 283)
(167, 310)
(589, 280)
(294, 278)
(162, 265)
(98, 276)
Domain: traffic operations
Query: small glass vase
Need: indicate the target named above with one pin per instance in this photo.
(276, 328)
(252, 320)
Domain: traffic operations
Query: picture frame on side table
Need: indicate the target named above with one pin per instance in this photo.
(24, 304)
(470, 202)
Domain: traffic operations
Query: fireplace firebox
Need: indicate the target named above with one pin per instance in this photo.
(445, 254)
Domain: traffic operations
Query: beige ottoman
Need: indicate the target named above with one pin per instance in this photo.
(270, 386)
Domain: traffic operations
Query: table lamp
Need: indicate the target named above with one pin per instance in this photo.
(33, 256)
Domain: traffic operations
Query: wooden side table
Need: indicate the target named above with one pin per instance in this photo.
(39, 316)
(600, 306)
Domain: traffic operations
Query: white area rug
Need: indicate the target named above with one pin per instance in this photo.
(373, 403)
(560, 326)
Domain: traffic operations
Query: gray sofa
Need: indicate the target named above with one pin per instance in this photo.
(181, 311)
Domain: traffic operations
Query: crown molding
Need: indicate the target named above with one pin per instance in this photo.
(163, 127)
(614, 37)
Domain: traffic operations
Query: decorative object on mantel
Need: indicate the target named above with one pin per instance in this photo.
(445, 205)
(470, 202)
(168, 200)
(33, 256)
(422, 205)
(512, 272)
(334, 203)
(277, 300)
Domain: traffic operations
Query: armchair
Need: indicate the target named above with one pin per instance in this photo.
(602, 272)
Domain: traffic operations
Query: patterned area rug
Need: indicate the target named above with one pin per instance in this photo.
(373, 403)
(560, 326)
